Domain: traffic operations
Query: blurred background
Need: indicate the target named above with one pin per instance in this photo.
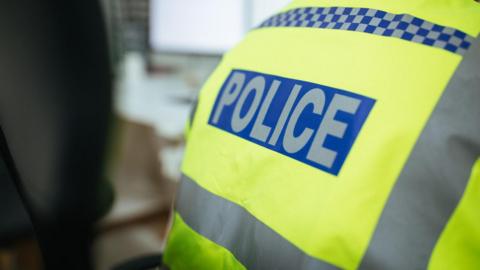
(162, 51)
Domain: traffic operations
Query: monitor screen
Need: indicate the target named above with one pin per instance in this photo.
(203, 27)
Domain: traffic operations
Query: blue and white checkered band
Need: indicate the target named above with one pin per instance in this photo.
(377, 22)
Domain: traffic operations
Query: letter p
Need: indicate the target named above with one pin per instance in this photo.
(230, 93)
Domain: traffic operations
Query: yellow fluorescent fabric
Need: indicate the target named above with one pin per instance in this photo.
(196, 252)
(339, 212)
(328, 217)
(458, 246)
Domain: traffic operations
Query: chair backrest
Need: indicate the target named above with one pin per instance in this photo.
(15, 223)
(55, 103)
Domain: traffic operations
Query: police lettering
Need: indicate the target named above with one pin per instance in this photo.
(311, 123)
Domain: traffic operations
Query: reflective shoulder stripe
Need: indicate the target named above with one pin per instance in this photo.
(376, 22)
(434, 178)
(253, 243)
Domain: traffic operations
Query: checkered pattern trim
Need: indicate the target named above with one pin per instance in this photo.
(377, 22)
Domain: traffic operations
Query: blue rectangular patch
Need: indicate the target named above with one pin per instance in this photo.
(312, 123)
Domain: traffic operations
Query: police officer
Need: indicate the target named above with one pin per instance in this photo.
(338, 135)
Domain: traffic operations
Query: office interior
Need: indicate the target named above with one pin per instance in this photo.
(161, 52)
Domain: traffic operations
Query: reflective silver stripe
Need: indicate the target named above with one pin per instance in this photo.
(254, 244)
(434, 178)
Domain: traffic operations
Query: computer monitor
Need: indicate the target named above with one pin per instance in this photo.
(198, 27)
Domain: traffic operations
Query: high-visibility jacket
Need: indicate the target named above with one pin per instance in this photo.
(338, 135)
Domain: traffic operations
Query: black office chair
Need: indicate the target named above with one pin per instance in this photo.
(55, 103)
(15, 224)
(55, 107)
